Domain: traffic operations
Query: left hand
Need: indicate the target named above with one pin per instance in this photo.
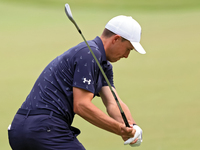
(138, 136)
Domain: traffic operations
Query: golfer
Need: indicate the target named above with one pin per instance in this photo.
(67, 86)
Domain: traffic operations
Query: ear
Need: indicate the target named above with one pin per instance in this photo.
(116, 38)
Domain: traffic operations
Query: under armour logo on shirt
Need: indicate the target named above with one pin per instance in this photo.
(85, 80)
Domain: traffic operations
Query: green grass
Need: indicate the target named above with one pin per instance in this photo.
(161, 88)
(115, 4)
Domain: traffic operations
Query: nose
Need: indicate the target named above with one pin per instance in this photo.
(126, 54)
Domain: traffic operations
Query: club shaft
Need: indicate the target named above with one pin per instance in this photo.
(104, 75)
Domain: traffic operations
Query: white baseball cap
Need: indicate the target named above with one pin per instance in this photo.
(128, 28)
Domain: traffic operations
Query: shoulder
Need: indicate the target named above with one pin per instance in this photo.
(83, 50)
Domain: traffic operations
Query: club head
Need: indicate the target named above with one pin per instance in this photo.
(68, 12)
(69, 15)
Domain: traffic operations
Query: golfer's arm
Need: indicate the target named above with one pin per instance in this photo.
(87, 110)
(112, 107)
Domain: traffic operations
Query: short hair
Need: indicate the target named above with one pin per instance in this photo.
(107, 33)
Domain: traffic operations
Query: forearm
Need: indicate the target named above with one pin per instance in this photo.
(88, 111)
(114, 112)
(112, 108)
(94, 115)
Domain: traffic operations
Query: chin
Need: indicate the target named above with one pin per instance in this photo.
(111, 61)
(114, 60)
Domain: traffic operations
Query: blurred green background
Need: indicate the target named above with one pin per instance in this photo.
(161, 88)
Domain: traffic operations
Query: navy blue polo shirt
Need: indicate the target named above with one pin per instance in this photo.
(76, 67)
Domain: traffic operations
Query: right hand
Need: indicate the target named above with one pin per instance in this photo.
(127, 133)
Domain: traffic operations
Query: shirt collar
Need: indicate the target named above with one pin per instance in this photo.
(99, 43)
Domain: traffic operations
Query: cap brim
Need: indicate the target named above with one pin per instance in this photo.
(138, 47)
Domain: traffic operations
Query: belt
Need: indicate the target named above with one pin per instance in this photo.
(28, 112)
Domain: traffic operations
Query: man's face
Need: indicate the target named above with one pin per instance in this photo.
(119, 49)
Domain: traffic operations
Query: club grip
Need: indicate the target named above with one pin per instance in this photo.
(125, 119)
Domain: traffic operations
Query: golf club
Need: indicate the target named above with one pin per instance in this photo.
(69, 15)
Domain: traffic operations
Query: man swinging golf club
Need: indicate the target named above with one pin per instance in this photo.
(67, 86)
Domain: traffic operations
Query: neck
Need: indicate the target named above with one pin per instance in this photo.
(105, 42)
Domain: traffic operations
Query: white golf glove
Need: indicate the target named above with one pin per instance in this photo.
(138, 134)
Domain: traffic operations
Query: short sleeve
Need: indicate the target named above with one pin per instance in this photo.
(85, 69)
